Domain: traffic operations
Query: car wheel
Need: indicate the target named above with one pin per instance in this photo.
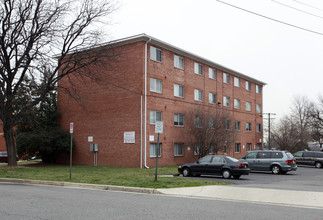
(318, 165)
(236, 176)
(226, 174)
(186, 172)
(275, 169)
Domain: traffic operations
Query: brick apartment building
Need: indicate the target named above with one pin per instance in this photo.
(151, 80)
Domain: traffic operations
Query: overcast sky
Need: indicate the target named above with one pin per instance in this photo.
(288, 59)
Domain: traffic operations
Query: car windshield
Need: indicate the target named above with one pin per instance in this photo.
(232, 159)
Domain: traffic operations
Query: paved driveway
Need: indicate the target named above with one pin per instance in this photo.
(305, 178)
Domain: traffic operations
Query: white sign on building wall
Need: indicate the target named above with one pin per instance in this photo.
(129, 137)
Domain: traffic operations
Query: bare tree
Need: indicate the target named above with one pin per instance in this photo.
(42, 41)
(316, 122)
(285, 135)
(208, 130)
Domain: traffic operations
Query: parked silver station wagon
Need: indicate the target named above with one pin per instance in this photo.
(276, 161)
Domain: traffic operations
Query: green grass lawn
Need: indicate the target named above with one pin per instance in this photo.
(134, 177)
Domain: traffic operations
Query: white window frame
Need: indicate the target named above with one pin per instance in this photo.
(198, 121)
(248, 86)
(227, 124)
(258, 127)
(237, 125)
(198, 68)
(178, 120)
(226, 101)
(236, 82)
(248, 126)
(212, 98)
(212, 73)
(248, 106)
(258, 89)
(237, 148)
(237, 103)
(249, 146)
(258, 108)
(156, 85)
(178, 62)
(177, 90)
(226, 78)
(178, 149)
(153, 149)
(156, 54)
(153, 116)
(198, 95)
(196, 149)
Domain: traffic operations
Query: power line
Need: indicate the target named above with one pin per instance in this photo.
(288, 6)
(263, 16)
(311, 6)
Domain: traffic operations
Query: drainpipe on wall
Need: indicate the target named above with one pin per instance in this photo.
(146, 61)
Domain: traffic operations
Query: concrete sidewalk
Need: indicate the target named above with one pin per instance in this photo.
(233, 193)
(257, 195)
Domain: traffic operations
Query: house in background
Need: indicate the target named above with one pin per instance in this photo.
(148, 81)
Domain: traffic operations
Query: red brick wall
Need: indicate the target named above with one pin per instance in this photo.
(109, 109)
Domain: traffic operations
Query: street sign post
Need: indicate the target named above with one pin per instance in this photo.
(159, 127)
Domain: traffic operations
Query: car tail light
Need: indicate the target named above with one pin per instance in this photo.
(241, 166)
(289, 161)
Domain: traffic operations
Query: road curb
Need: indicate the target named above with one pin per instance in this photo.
(82, 185)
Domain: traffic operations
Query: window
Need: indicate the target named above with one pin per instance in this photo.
(212, 149)
(258, 89)
(248, 85)
(179, 62)
(178, 90)
(178, 119)
(212, 73)
(212, 122)
(198, 95)
(226, 78)
(156, 85)
(258, 127)
(258, 108)
(153, 148)
(248, 146)
(212, 98)
(155, 54)
(155, 116)
(197, 149)
(237, 125)
(237, 148)
(178, 149)
(248, 126)
(225, 148)
(237, 103)
(227, 124)
(226, 101)
(248, 106)
(236, 82)
(198, 68)
(198, 122)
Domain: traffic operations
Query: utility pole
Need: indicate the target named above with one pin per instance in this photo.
(269, 121)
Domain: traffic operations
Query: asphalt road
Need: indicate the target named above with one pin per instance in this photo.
(305, 178)
(48, 202)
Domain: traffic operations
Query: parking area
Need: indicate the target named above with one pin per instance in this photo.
(304, 178)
